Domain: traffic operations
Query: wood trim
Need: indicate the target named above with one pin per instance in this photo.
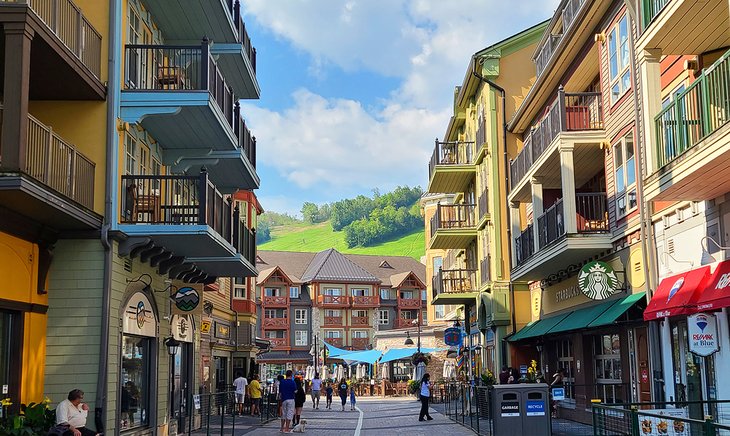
(20, 306)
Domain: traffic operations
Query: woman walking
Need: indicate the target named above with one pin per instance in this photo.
(299, 398)
(425, 396)
(342, 390)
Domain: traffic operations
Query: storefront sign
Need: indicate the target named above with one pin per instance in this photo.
(139, 318)
(523, 369)
(509, 408)
(182, 328)
(661, 425)
(597, 280)
(205, 326)
(186, 299)
(702, 332)
(196, 401)
(222, 331)
(535, 408)
(558, 394)
(452, 336)
(567, 293)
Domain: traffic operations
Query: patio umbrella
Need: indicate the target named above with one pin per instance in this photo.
(324, 372)
(385, 371)
(420, 371)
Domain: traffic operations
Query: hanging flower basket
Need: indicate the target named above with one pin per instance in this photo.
(420, 357)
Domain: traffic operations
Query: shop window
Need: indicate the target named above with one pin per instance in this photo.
(383, 317)
(300, 316)
(566, 363)
(402, 371)
(135, 382)
(625, 175)
(618, 59)
(607, 370)
(300, 338)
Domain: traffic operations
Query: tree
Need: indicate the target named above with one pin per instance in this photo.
(310, 212)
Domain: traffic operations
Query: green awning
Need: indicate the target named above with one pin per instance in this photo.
(546, 324)
(580, 318)
(617, 309)
(523, 332)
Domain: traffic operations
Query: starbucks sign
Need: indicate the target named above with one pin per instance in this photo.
(597, 280)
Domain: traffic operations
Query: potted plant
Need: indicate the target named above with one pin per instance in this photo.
(420, 357)
(488, 378)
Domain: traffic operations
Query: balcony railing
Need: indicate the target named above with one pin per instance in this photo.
(451, 153)
(246, 241)
(67, 22)
(454, 281)
(484, 269)
(276, 323)
(333, 320)
(333, 300)
(694, 114)
(183, 200)
(278, 342)
(650, 9)
(570, 112)
(410, 303)
(483, 203)
(551, 224)
(234, 8)
(364, 300)
(275, 301)
(569, 12)
(592, 212)
(402, 323)
(53, 161)
(525, 245)
(360, 321)
(360, 343)
(335, 342)
(452, 216)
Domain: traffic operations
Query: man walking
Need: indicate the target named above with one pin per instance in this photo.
(316, 388)
(240, 383)
(287, 388)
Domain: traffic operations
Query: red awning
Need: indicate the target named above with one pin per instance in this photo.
(677, 295)
(716, 294)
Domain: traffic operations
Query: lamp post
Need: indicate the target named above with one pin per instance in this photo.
(409, 341)
(173, 346)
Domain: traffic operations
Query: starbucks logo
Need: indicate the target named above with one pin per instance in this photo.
(597, 280)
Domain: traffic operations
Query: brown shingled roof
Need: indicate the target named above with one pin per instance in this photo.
(332, 266)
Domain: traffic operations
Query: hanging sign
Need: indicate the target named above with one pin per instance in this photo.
(186, 299)
(139, 318)
(182, 328)
(702, 332)
(205, 326)
(452, 336)
(597, 280)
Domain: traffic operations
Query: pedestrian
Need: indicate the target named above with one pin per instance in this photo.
(514, 376)
(240, 383)
(352, 397)
(71, 415)
(329, 391)
(504, 375)
(254, 392)
(287, 390)
(342, 390)
(316, 388)
(300, 397)
(556, 383)
(277, 384)
(425, 396)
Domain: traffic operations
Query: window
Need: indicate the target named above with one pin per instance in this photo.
(608, 371)
(275, 313)
(135, 379)
(625, 174)
(360, 292)
(333, 291)
(300, 316)
(408, 314)
(130, 154)
(274, 334)
(333, 334)
(423, 295)
(335, 313)
(439, 311)
(271, 292)
(239, 288)
(424, 317)
(383, 317)
(566, 362)
(384, 294)
(438, 262)
(407, 295)
(300, 338)
(360, 313)
(618, 59)
(294, 292)
(360, 334)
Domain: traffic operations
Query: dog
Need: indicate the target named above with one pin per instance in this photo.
(301, 427)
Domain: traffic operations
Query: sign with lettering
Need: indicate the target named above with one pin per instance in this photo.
(535, 408)
(139, 318)
(452, 336)
(668, 418)
(702, 332)
(558, 394)
(222, 331)
(567, 293)
(205, 326)
(597, 280)
(196, 401)
(509, 408)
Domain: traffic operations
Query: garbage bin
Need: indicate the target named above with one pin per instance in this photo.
(506, 410)
(521, 409)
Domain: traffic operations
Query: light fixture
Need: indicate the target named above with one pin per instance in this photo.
(666, 255)
(173, 346)
(147, 286)
(708, 258)
(408, 341)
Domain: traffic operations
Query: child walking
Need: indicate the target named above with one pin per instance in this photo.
(328, 392)
(352, 397)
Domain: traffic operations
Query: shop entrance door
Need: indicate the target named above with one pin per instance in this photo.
(181, 375)
(643, 370)
(694, 376)
(221, 374)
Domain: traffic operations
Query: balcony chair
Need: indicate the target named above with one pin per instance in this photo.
(140, 205)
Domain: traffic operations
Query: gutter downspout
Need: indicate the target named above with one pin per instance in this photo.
(113, 94)
(506, 185)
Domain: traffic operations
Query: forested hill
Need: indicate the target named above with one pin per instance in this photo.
(388, 223)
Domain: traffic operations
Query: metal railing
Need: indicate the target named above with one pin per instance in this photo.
(467, 405)
(484, 274)
(483, 203)
(184, 200)
(650, 9)
(525, 245)
(592, 212)
(577, 111)
(694, 114)
(71, 27)
(218, 413)
(56, 163)
(234, 8)
(452, 216)
(545, 53)
(551, 224)
(451, 153)
(454, 281)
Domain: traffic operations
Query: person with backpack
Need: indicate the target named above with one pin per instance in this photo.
(425, 395)
(342, 390)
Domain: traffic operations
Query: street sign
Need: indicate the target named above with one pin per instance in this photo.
(523, 369)
(558, 394)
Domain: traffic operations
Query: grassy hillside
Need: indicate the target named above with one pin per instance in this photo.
(318, 237)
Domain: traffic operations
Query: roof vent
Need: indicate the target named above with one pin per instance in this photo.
(260, 261)
(385, 264)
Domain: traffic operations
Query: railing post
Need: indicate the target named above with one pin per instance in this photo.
(56, 16)
(48, 157)
(709, 428)
(72, 176)
(635, 429)
(236, 236)
(79, 34)
(237, 127)
(561, 109)
(203, 194)
(205, 64)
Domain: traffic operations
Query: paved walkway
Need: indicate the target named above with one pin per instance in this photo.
(376, 417)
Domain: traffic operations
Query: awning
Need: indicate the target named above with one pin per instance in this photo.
(369, 356)
(677, 295)
(617, 309)
(716, 294)
(522, 333)
(579, 319)
(403, 353)
(334, 351)
(543, 326)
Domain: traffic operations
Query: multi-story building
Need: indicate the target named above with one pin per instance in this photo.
(575, 209)
(683, 62)
(309, 299)
(471, 226)
(438, 314)
(120, 188)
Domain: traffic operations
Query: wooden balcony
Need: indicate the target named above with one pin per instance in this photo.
(335, 342)
(453, 226)
(279, 343)
(332, 321)
(402, 323)
(276, 323)
(451, 168)
(333, 300)
(410, 303)
(47, 179)
(271, 302)
(359, 301)
(360, 343)
(360, 321)
(455, 286)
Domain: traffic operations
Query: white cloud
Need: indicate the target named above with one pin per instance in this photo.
(424, 43)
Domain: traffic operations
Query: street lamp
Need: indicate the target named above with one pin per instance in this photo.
(173, 346)
(409, 341)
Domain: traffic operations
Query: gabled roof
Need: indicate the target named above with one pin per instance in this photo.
(397, 279)
(399, 266)
(293, 264)
(267, 273)
(332, 266)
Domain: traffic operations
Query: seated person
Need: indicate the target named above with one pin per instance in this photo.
(73, 412)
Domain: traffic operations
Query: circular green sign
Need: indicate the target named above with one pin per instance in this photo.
(597, 280)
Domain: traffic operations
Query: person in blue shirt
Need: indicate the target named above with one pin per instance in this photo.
(352, 397)
(287, 388)
(425, 396)
(329, 391)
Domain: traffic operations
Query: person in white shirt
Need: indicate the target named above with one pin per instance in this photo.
(73, 412)
(316, 388)
(240, 383)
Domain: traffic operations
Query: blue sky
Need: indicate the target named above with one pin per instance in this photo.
(354, 92)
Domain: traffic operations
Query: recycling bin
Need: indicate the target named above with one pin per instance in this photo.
(536, 420)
